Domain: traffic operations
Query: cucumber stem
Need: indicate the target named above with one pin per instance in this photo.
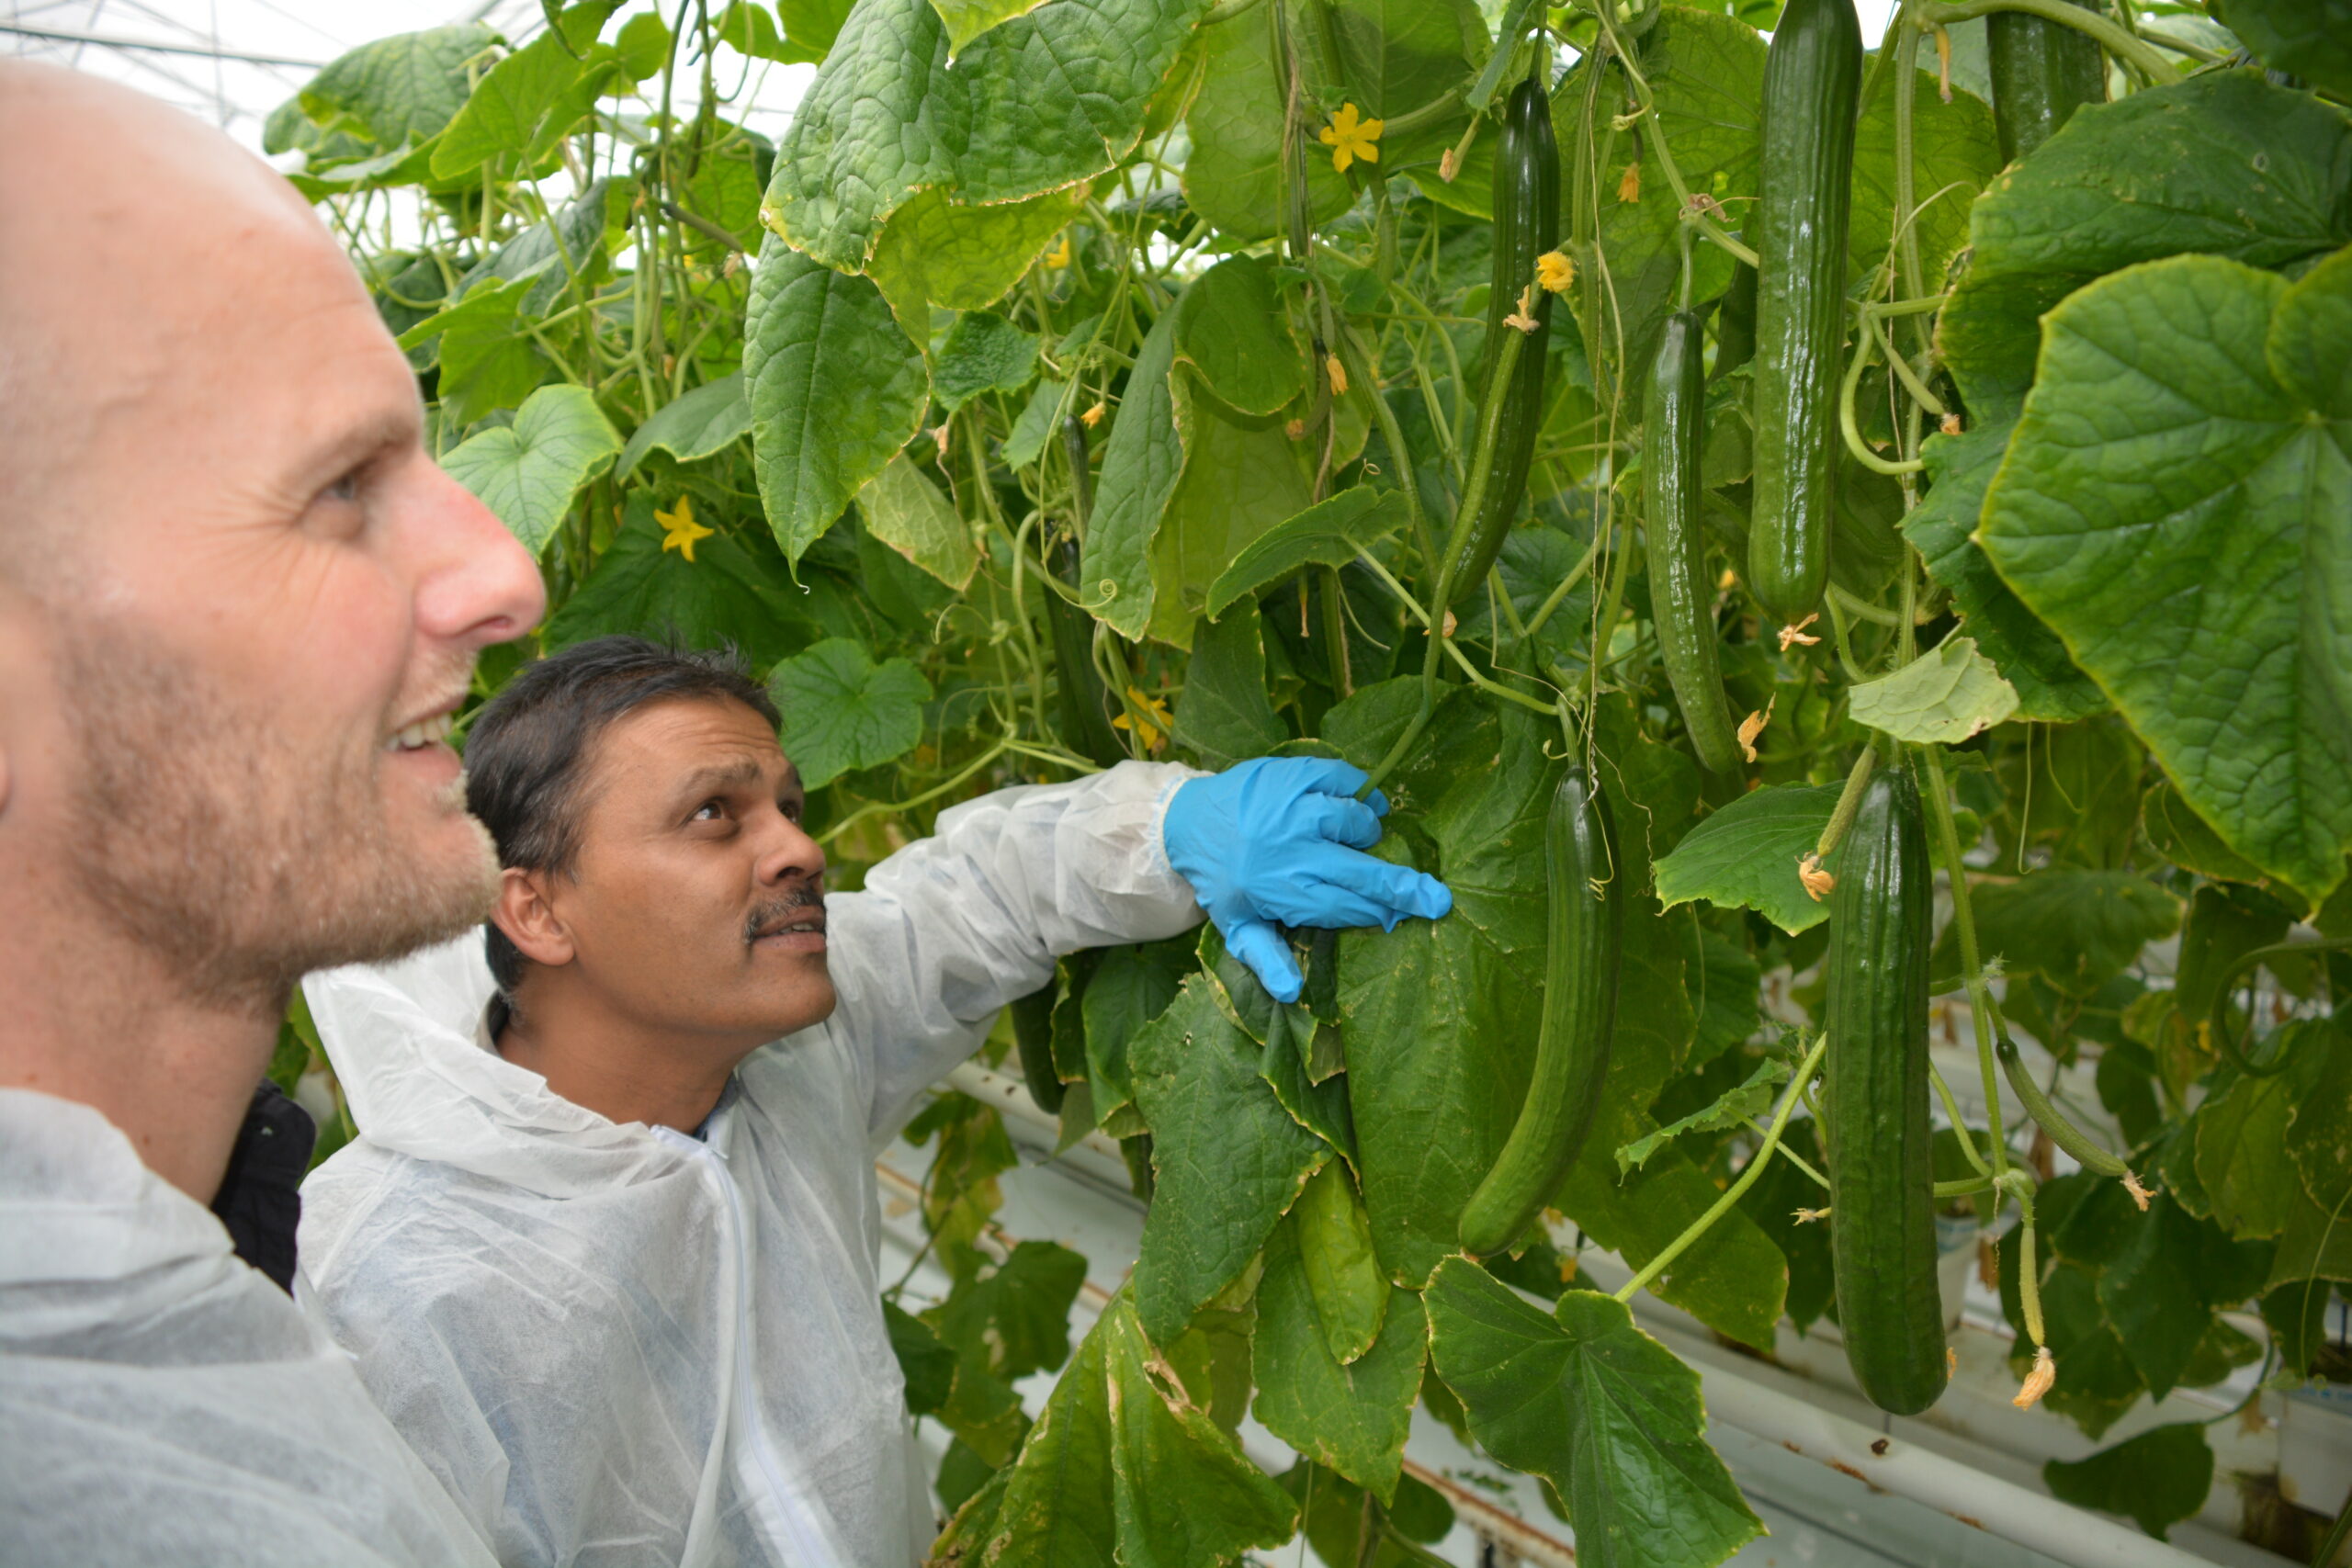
(1490, 425)
(2088, 1152)
(1958, 1127)
(1982, 1012)
(1746, 1180)
(2124, 46)
(1849, 801)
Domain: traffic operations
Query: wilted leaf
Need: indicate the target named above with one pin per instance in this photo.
(842, 711)
(1751, 1096)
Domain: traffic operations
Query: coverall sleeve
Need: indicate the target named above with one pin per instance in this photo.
(951, 928)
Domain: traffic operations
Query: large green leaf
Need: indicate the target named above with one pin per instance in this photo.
(842, 711)
(706, 421)
(1947, 694)
(1036, 104)
(1233, 175)
(2162, 1284)
(1227, 1160)
(528, 472)
(1225, 714)
(398, 89)
(2319, 1138)
(2178, 505)
(1395, 56)
(835, 388)
(527, 103)
(1440, 1016)
(727, 594)
(1328, 532)
(1351, 1418)
(905, 510)
(2027, 654)
(1596, 1407)
(1140, 463)
(2223, 163)
(1234, 338)
(2157, 1478)
(934, 251)
(1131, 987)
(1746, 855)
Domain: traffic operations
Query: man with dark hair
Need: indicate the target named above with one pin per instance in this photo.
(605, 1248)
(239, 606)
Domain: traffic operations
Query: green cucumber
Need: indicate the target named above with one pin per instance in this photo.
(2043, 72)
(1812, 76)
(1084, 703)
(1582, 943)
(1735, 321)
(1681, 598)
(2090, 1153)
(1033, 1031)
(1527, 224)
(1882, 1170)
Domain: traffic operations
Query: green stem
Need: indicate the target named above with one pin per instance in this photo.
(1746, 1180)
(895, 806)
(1849, 801)
(1560, 593)
(1861, 611)
(2124, 45)
(1981, 1009)
(1958, 1127)
(1391, 436)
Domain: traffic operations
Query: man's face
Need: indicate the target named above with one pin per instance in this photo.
(270, 600)
(696, 904)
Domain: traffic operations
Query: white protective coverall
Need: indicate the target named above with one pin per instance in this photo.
(163, 1403)
(616, 1344)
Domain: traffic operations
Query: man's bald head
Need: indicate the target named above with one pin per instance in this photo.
(239, 600)
(133, 232)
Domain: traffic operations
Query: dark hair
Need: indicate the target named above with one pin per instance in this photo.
(526, 753)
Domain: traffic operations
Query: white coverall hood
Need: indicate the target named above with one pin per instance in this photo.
(620, 1345)
(163, 1403)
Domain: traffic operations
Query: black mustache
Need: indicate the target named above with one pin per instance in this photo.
(802, 897)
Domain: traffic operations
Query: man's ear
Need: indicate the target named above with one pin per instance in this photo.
(524, 914)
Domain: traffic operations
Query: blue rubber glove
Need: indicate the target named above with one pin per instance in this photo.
(1281, 839)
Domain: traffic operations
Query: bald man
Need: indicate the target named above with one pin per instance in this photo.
(239, 605)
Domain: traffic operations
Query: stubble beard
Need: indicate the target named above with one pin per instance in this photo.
(237, 859)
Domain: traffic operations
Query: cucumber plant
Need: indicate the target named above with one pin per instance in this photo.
(1715, 484)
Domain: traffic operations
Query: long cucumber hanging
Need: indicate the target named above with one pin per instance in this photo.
(1812, 76)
